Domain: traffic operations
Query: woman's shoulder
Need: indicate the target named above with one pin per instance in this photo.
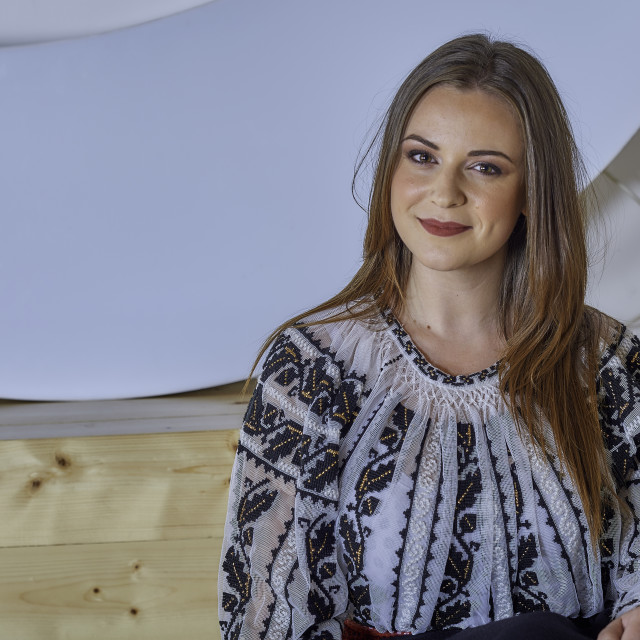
(339, 340)
(307, 396)
(619, 383)
(619, 346)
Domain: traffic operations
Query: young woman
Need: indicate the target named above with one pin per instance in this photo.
(448, 446)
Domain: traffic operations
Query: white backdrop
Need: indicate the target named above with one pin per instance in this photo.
(173, 191)
(44, 20)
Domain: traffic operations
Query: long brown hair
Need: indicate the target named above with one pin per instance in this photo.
(549, 365)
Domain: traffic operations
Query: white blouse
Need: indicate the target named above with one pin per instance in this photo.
(368, 484)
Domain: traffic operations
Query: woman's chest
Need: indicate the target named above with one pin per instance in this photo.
(434, 510)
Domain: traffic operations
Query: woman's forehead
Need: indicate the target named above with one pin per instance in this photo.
(450, 113)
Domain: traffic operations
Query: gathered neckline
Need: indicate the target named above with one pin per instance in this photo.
(416, 357)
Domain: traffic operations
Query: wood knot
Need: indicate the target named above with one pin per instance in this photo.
(62, 461)
(133, 611)
(36, 483)
(96, 590)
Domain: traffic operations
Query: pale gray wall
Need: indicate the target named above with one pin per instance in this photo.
(173, 191)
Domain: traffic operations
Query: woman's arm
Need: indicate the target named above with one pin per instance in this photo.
(620, 412)
(279, 577)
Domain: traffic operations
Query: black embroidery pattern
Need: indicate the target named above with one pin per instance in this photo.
(428, 369)
(313, 633)
(353, 531)
(613, 408)
(320, 548)
(621, 460)
(275, 438)
(631, 566)
(256, 501)
(346, 405)
(607, 549)
(573, 499)
(281, 439)
(619, 392)
(346, 453)
(454, 604)
(620, 386)
(526, 597)
(625, 602)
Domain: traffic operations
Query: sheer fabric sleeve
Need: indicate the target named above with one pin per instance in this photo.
(620, 412)
(279, 576)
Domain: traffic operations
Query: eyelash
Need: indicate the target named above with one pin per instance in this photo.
(493, 170)
(485, 168)
(414, 156)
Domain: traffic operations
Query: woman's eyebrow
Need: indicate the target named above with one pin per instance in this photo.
(489, 152)
(473, 154)
(420, 139)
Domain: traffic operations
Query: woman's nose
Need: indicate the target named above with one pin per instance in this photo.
(446, 190)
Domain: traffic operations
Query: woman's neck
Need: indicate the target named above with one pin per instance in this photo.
(453, 318)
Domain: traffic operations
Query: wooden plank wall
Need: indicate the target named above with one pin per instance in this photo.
(114, 536)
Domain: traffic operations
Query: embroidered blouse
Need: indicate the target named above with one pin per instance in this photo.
(369, 484)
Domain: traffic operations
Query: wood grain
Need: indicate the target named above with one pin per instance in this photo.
(219, 408)
(142, 590)
(114, 488)
(114, 536)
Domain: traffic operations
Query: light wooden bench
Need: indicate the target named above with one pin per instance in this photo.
(111, 515)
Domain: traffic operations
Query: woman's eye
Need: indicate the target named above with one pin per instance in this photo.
(421, 157)
(487, 168)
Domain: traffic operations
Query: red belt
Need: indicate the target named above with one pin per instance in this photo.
(354, 631)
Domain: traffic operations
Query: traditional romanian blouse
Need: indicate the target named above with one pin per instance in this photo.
(369, 484)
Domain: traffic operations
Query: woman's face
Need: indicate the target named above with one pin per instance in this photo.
(458, 188)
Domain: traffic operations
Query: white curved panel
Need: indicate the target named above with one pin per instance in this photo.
(45, 20)
(615, 282)
(624, 170)
(173, 191)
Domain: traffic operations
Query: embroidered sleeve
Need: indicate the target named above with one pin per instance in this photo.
(279, 578)
(620, 407)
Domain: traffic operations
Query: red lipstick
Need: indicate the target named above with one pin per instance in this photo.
(443, 229)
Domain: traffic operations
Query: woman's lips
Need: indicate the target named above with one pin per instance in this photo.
(438, 228)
